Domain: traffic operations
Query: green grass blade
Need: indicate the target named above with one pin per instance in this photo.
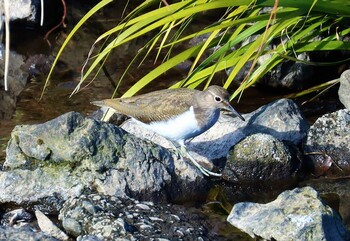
(161, 69)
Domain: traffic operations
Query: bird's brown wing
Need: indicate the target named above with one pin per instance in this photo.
(153, 106)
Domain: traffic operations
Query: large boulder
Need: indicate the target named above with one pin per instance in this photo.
(71, 155)
(299, 214)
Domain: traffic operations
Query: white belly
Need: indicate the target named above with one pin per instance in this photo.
(176, 129)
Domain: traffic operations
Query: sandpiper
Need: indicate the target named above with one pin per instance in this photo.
(176, 114)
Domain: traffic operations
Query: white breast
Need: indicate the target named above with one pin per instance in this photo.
(177, 129)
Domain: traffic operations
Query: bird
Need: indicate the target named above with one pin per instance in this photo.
(176, 114)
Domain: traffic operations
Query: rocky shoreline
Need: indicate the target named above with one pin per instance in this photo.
(77, 178)
(103, 182)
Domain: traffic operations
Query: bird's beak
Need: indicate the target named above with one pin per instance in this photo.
(230, 109)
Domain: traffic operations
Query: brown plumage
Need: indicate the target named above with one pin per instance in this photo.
(164, 104)
(154, 106)
(176, 114)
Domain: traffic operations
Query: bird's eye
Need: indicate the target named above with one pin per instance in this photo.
(217, 99)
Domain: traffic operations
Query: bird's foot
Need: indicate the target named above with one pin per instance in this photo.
(206, 172)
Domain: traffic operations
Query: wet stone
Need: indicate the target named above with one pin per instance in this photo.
(122, 218)
(17, 217)
(16, 81)
(261, 157)
(328, 144)
(288, 75)
(23, 234)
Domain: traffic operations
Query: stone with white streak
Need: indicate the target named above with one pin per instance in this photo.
(48, 227)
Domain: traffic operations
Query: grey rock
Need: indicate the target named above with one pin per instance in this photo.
(90, 238)
(344, 89)
(15, 218)
(289, 74)
(19, 9)
(282, 119)
(26, 186)
(17, 79)
(39, 64)
(71, 154)
(48, 227)
(106, 217)
(17, 76)
(23, 234)
(299, 214)
(335, 192)
(328, 144)
(260, 157)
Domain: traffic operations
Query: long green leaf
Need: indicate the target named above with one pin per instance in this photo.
(161, 69)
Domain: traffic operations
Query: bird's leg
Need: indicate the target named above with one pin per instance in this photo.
(183, 152)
